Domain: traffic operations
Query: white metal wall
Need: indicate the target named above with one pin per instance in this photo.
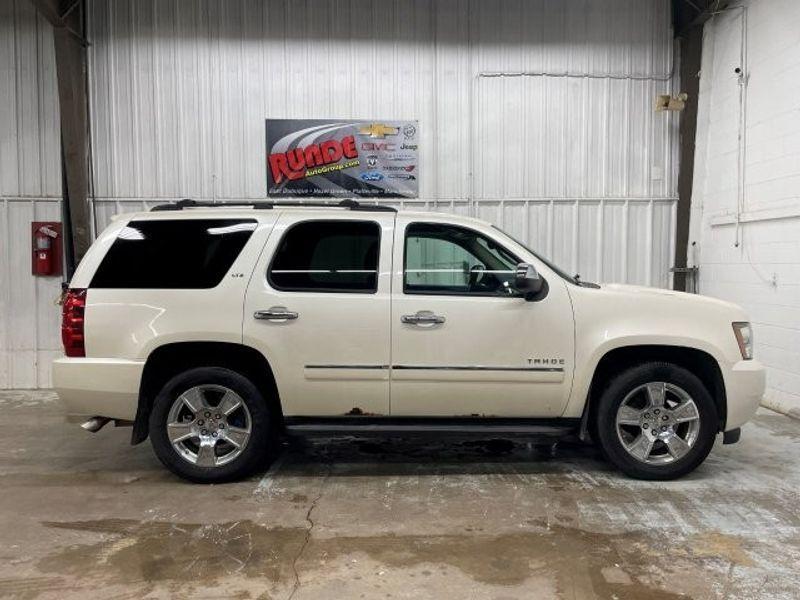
(570, 156)
(30, 188)
(746, 205)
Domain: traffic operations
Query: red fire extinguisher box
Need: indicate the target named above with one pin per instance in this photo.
(46, 248)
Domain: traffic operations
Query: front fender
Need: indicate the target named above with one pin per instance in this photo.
(586, 367)
(614, 317)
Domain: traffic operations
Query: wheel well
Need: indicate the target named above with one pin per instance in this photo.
(167, 361)
(700, 363)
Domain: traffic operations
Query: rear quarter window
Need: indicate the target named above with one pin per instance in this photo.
(178, 254)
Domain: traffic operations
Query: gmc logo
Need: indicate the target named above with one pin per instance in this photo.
(378, 146)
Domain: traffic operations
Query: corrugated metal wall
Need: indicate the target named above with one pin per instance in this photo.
(571, 157)
(30, 190)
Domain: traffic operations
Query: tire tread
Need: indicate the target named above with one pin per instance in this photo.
(260, 446)
(615, 389)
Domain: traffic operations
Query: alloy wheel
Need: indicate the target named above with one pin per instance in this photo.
(658, 423)
(209, 425)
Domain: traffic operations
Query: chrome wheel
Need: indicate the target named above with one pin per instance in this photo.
(209, 425)
(658, 423)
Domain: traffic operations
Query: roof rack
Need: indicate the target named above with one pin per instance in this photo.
(347, 203)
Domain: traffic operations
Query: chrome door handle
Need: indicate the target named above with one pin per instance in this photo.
(276, 313)
(422, 317)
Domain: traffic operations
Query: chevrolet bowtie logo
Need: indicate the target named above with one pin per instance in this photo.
(378, 130)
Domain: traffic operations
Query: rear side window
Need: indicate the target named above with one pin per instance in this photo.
(327, 256)
(179, 254)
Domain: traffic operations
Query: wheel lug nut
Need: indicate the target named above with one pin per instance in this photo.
(222, 425)
(656, 411)
(208, 414)
(646, 415)
(645, 425)
(203, 432)
(663, 428)
(200, 422)
(213, 434)
(217, 416)
(665, 418)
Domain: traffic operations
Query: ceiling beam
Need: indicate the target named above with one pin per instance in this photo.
(689, 14)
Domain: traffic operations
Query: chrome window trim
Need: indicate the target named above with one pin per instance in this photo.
(440, 368)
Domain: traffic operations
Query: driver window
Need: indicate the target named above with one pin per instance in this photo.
(445, 259)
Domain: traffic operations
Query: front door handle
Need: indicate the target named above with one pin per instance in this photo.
(276, 313)
(422, 317)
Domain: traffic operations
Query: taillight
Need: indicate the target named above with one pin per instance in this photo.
(72, 310)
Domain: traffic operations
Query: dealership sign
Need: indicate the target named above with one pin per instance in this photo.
(345, 158)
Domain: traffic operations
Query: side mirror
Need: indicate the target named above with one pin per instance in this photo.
(527, 280)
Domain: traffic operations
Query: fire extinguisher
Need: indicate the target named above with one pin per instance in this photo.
(44, 250)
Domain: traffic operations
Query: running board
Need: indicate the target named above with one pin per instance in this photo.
(441, 426)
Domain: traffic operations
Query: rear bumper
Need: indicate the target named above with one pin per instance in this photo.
(103, 387)
(745, 383)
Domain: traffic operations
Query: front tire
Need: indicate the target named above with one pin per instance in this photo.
(211, 425)
(656, 421)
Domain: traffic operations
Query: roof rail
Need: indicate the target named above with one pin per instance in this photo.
(347, 203)
(189, 203)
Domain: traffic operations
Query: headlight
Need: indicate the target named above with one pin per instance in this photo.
(744, 337)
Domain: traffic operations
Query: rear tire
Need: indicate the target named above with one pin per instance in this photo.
(656, 421)
(212, 425)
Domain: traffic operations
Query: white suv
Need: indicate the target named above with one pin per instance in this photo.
(216, 328)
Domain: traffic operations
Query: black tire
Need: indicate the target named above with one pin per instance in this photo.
(615, 392)
(256, 452)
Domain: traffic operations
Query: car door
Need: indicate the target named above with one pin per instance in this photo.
(464, 343)
(318, 308)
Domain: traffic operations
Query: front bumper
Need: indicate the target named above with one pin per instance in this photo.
(98, 387)
(745, 383)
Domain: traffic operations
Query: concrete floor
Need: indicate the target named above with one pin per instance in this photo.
(85, 514)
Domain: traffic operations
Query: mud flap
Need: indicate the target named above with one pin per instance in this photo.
(732, 436)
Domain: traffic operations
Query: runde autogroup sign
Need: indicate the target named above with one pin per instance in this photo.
(342, 158)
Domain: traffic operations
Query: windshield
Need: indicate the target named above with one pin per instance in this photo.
(558, 271)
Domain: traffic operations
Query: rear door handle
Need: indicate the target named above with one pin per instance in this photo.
(422, 317)
(276, 313)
